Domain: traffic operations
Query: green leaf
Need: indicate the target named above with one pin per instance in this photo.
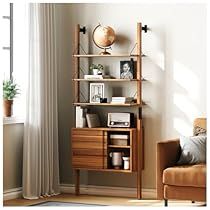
(10, 90)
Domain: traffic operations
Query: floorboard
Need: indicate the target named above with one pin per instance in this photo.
(102, 200)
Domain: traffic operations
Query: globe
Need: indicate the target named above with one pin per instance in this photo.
(103, 37)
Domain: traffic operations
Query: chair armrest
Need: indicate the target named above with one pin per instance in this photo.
(167, 155)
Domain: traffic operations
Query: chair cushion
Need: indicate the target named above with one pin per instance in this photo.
(188, 175)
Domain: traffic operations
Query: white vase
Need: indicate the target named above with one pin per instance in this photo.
(95, 71)
(126, 162)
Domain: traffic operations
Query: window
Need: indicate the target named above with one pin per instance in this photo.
(7, 56)
(15, 51)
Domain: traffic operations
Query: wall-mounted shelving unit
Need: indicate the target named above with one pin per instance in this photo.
(91, 146)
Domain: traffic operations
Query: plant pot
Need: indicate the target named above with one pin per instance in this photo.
(8, 108)
(95, 71)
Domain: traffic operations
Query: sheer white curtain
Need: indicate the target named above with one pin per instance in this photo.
(40, 149)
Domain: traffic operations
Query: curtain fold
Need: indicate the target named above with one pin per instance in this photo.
(40, 149)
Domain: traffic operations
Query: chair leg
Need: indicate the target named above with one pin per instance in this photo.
(165, 202)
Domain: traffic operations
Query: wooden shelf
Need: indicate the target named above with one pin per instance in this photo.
(94, 156)
(118, 170)
(104, 104)
(108, 170)
(117, 146)
(107, 129)
(108, 80)
(112, 55)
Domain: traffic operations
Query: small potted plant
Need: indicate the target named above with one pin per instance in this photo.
(10, 91)
(97, 69)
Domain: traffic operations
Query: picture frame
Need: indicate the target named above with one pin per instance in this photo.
(127, 69)
(96, 92)
(93, 120)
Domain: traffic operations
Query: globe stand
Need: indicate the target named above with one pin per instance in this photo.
(105, 52)
(103, 37)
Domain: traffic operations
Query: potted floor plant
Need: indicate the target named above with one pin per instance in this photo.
(10, 91)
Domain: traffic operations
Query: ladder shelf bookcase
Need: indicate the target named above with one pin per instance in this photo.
(91, 146)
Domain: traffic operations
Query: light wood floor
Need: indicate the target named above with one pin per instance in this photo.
(103, 200)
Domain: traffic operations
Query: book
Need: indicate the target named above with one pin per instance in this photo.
(92, 120)
(80, 117)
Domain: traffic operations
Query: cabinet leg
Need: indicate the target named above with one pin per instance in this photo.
(77, 185)
(139, 196)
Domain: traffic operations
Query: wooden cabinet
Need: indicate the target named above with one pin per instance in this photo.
(91, 147)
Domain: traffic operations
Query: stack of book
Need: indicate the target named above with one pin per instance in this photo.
(122, 100)
(90, 76)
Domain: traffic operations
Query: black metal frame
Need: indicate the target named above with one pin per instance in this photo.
(10, 47)
(145, 28)
(11, 41)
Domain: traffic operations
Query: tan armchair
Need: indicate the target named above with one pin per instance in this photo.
(186, 182)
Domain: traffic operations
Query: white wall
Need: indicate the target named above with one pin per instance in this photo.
(175, 67)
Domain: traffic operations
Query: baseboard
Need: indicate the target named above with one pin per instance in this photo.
(12, 193)
(108, 191)
(89, 190)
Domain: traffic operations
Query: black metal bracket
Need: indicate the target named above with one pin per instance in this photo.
(83, 30)
(145, 28)
(140, 113)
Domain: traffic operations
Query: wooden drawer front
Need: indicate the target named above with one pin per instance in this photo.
(93, 162)
(87, 145)
(88, 132)
(88, 139)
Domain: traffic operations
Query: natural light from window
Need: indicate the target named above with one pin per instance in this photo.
(20, 52)
(5, 41)
(185, 94)
(20, 66)
(187, 80)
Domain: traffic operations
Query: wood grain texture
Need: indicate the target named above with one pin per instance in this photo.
(107, 80)
(104, 104)
(87, 145)
(132, 150)
(87, 131)
(139, 126)
(139, 65)
(88, 161)
(149, 200)
(100, 129)
(76, 64)
(109, 56)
